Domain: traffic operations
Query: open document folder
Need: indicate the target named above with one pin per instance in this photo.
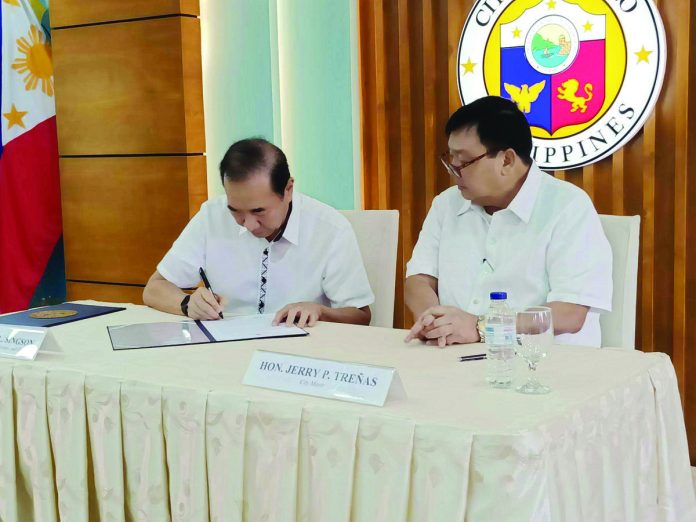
(153, 335)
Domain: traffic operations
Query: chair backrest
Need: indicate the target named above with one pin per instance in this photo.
(378, 234)
(619, 326)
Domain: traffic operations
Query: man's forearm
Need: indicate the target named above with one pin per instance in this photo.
(567, 317)
(420, 294)
(163, 295)
(349, 315)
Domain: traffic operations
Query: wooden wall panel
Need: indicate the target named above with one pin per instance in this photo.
(104, 292)
(78, 12)
(685, 216)
(192, 83)
(129, 88)
(197, 183)
(116, 235)
(129, 107)
(408, 63)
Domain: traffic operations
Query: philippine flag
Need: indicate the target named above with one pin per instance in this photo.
(30, 213)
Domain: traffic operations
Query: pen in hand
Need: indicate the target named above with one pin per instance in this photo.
(207, 285)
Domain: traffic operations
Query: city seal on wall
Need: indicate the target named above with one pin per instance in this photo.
(586, 73)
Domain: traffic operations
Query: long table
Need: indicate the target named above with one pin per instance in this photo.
(87, 433)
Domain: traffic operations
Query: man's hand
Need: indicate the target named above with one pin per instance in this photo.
(445, 325)
(204, 305)
(306, 314)
(421, 326)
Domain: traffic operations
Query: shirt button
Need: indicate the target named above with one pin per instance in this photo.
(476, 301)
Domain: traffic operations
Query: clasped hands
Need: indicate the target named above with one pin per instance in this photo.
(445, 325)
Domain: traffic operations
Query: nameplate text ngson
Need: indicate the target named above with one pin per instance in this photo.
(21, 342)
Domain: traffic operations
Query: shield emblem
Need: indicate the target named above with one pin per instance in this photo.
(553, 66)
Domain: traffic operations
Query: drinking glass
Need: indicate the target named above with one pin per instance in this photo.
(535, 337)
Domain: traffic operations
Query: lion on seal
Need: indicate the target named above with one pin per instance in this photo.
(568, 92)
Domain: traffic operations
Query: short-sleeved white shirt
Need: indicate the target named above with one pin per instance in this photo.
(316, 259)
(548, 245)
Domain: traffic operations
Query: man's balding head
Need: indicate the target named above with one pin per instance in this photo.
(254, 156)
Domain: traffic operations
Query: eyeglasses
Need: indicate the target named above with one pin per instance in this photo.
(456, 170)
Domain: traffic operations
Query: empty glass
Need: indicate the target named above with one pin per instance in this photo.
(535, 337)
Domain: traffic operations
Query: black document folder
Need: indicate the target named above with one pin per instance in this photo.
(55, 315)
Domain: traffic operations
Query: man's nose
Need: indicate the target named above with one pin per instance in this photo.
(250, 223)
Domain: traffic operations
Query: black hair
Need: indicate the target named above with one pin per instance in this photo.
(247, 157)
(500, 125)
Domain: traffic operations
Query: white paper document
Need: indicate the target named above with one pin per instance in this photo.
(248, 327)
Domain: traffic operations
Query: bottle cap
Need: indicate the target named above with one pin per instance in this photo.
(497, 296)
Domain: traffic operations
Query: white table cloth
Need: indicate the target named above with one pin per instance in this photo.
(87, 433)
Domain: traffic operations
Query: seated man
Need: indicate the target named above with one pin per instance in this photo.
(265, 249)
(505, 226)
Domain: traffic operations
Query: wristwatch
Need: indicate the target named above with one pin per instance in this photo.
(481, 327)
(184, 304)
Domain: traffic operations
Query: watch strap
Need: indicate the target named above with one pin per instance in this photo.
(481, 327)
(184, 304)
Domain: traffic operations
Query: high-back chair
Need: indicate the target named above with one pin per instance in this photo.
(378, 234)
(619, 326)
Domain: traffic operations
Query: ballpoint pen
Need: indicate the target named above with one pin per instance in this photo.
(473, 357)
(207, 285)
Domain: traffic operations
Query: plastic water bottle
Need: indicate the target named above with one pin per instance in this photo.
(501, 338)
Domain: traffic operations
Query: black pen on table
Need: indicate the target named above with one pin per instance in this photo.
(473, 357)
(207, 285)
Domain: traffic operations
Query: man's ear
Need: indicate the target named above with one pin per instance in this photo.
(510, 159)
(288, 188)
